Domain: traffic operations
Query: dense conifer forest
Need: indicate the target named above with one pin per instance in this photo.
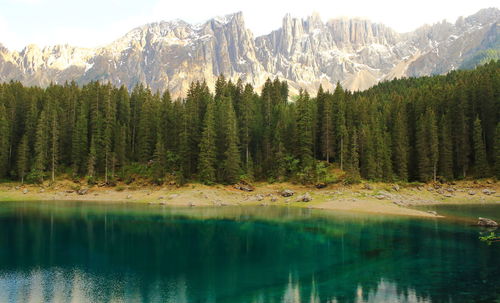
(417, 129)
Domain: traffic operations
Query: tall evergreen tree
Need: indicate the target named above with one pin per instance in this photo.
(480, 162)
(497, 151)
(79, 142)
(427, 146)
(159, 162)
(22, 158)
(445, 149)
(54, 143)
(208, 152)
(327, 138)
(4, 141)
(41, 147)
(400, 142)
(304, 129)
(246, 121)
(231, 166)
(341, 132)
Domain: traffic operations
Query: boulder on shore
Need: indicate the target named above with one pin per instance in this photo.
(287, 193)
(488, 192)
(305, 198)
(244, 187)
(486, 222)
(83, 191)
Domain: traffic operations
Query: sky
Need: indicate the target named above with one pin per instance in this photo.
(93, 23)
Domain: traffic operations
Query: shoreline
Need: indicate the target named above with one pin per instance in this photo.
(374, 198)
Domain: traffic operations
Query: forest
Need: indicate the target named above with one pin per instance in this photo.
(424, 129)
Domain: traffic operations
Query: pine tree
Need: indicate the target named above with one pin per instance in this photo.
(480, 162)
(208, 152)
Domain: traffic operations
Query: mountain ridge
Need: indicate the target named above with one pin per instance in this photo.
(306, 52)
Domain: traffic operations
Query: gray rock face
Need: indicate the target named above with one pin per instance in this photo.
(305, 52)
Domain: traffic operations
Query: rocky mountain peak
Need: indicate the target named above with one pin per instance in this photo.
(307, 52)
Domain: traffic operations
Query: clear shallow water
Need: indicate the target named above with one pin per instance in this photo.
(73, 252)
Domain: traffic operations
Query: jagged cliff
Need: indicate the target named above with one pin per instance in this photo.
(306, 52)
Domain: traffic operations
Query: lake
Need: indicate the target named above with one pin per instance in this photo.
(91, 252)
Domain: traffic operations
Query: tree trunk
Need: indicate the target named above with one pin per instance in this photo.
(53, 166)
(106, 168)
(341, 153)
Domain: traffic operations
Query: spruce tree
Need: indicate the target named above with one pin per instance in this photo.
(208, 152)
(497, 151)
(4, 141)
(304, 130)
(400, 143)
(445, 149)
(79, 142)
(341, 132)
(423, 150)
(159, 162)
(107, 134)
(91, 160)
(232, 160)
(327, 139)
(54, 143)
(22, 158)
(480, 162)
(461, 133)
(433, 141)
(246, 122)
(41, 148)
(352, 159)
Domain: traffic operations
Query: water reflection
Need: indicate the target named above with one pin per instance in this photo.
(70, 253)
(75, 286)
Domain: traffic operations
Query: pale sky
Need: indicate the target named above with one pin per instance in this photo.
(92, 23)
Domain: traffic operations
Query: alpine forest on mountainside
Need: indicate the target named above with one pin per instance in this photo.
(416, 129)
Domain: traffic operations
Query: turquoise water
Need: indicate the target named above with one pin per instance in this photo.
(75, 252)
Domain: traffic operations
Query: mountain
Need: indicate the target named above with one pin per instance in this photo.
(306, 52)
